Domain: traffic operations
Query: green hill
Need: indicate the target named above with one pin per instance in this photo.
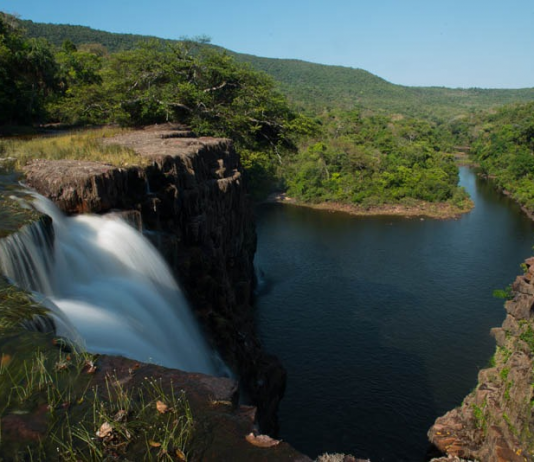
(317, 87)
(58, 33)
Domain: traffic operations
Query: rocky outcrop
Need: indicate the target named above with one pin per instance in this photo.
(220, 429)
(193, 205)
(495, 422)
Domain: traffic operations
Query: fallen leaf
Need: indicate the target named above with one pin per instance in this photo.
(162, 407)
(5, 360)
(105, 430)
(180, 455)
(61, 366)
(262, 441)
(90, 367)
(154, 444)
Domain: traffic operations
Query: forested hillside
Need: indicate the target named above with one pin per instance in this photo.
(317, 87)
(503, 145)
(333, 134)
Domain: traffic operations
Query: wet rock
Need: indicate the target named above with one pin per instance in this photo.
(26, 427)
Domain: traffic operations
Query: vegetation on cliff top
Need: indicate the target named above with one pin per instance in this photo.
(54, 406)
(345, 154)
(84, 145)
(154, 82)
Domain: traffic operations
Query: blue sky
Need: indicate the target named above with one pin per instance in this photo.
(453, 43)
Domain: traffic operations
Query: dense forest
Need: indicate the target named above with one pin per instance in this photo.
(155, 82)
(377, 159)
(323, 133)
(316, 87)
(503, 146)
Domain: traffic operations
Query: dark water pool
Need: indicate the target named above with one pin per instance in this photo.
(382, 323)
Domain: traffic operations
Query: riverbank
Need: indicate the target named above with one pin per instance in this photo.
(416, 209)
(494, 422)
(528, 212)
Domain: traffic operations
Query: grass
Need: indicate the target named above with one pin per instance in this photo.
(528, 337)
(504, 373)
(85, 145)
(479, 414)
(508, 421)
(88, 420)
(46, 380)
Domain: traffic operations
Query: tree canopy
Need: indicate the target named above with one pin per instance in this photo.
(504, 148)
(28, 74)
(372, 160)
(362, 141)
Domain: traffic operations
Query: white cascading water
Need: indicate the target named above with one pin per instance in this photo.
(108, 290)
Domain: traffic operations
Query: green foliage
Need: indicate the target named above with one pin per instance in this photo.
(87, 422)
(510, 424)
(479, 414)
(79, 99)
(370, 160)
(505, 294)
(528, 337)
(28, 74)
(57, 34)
(504, 150)
(316, 87)
(156, 81)
(366, 156)
(206, 89)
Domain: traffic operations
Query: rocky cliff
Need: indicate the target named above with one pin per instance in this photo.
(495, 423)
(191, 201)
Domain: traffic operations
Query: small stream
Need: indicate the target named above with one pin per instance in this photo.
(383, 322)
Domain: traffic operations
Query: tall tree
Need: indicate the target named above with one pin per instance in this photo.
(28, 74)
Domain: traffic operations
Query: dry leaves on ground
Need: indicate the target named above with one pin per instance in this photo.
(262, 441)
(162, 407)
(104, 430)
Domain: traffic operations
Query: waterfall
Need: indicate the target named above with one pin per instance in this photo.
(107, 289)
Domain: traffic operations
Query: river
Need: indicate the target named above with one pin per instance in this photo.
(382, 322)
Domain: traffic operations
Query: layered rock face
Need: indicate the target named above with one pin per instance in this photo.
(495, 422)
(192, 203)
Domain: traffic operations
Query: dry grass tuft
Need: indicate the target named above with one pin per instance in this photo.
(86, 145)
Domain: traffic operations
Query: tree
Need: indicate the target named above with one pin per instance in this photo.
(28, 74)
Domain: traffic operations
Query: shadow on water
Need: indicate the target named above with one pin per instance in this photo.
(382, 322)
